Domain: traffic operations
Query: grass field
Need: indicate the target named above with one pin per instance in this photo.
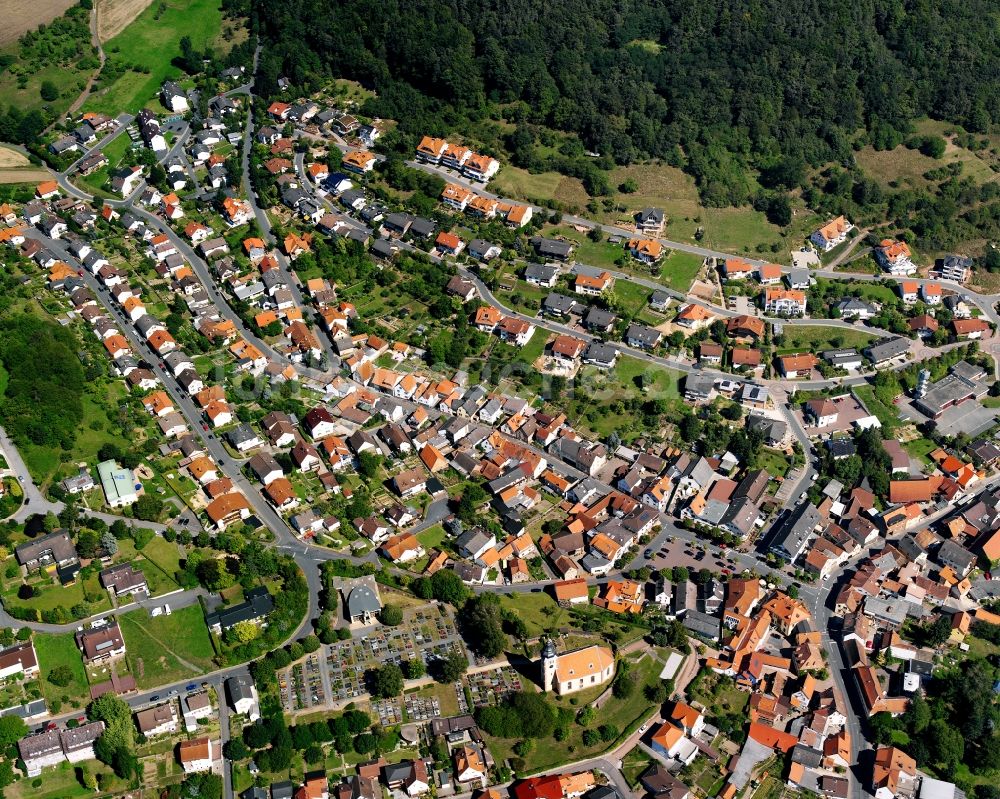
(877, 292)
(160, 562)
(635, 762)
(661, 382)
(57, 595)
(679, 269)
(920, 448)
(152, 41)
(519, 184)
(166, 649)
(432, 536)
(816, 338)
(601, 254)
(632, 296)
(60, 782)
(776, 463)
(904, 167)
(61, 650)
(539, 612)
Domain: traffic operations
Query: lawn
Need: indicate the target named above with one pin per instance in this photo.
(167, 649)
(776, 463)
(623, 714)
(920, 448)
(152, 42)
(631, 296)
(634, 764)
(432, 537)
(662, 382)
(816, 338)
(875, 292)
(55, 595)
(61, 650)
(59, 782)
(679, 269)
(601, 254)
(744, 229)
(539, 612)
(159, 579)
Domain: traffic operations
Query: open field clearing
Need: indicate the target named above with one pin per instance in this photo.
(33, 174)
(12, 158)
(113, 16)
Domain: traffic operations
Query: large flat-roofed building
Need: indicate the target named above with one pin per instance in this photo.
(965, 382)
(118, 484)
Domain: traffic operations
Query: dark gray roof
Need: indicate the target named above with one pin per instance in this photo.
(796, 529)
(54, 547)
(886, 349)
(362, 600)
(258, 604)
(543, 273)
(806, 755)
(702, 624)
(599, 353)
(598, 318)
(282, 790)
(649, 214)
(239, 687)
(422, 227)
(643, 336)
(551, 248)
(561, 304)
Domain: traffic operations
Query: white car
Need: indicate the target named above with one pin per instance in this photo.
(166, 610)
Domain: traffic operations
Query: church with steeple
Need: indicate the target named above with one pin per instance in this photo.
(574, 671)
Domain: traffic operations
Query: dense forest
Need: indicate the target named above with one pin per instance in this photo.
(42, 398)
(715, 86)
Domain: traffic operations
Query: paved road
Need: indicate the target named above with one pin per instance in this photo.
(34, 502)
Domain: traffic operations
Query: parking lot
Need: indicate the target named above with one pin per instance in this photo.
(684, 553)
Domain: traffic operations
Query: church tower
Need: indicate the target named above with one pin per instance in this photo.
(549, 660)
